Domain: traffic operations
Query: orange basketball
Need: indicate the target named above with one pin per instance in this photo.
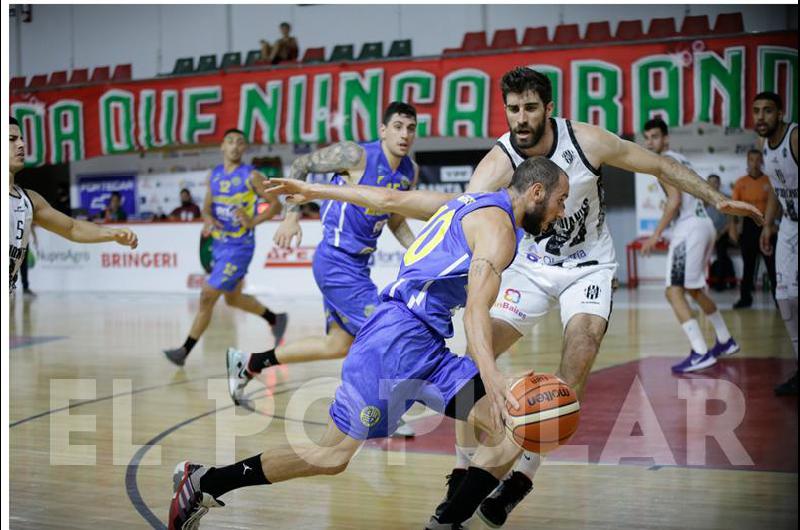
(548, 413)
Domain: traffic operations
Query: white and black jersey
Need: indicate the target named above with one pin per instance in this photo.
(20, 219)
(582, 234)
(780, 165)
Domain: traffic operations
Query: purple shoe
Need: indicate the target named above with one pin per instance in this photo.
(725, 349)
(694, 362)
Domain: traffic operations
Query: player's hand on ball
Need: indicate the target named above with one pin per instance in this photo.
(287, 231)
(126, 237)
(498, 393)
(741, 209)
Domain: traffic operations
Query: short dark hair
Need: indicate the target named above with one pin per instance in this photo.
(285, 24)
(770, 96)
(657, 123)
(116, 194)
(522, 79)
(398, 107)
(186, 190)
(13, 121)
(713, 176)
(754, 151)
(234, 130)
(536, 169)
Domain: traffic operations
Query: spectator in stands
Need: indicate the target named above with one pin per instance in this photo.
(284, 49)
(722, 273)
(114, 212)
(188, 210)
(753, 188)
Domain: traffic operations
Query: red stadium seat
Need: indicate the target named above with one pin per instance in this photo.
(729, 23)
(314, 55)
(536, 37)
(661, 28)
(18, 83)
(629, 30)
(58, 78)
(598, 32)
(504, 39)
(474, 41)
(79, 76)
(566, 34)
(101, 74)
(38, 81)
(122, 72)
(695, 25)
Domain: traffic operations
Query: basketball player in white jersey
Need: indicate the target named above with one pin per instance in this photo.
(27, 207)
(571, 265)
(778, 141)
(690, 247)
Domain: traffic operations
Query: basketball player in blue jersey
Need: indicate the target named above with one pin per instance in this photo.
(350, 235)
(399, 355)
(571, 265)
(229, 214)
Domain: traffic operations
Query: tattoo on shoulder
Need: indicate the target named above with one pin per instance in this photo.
(480, 263)
(338, 157)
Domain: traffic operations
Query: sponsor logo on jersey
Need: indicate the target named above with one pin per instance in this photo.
(511, 308)
(592, 292)
(569, 156)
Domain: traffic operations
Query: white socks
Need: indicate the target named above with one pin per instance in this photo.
(720, 328)
(692, 330)
(464, 456)
(528, 463)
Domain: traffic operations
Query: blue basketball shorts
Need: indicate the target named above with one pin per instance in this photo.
(348, 294)
(397, 360)
(230, 263)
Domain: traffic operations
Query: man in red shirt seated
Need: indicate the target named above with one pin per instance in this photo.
(188, 210)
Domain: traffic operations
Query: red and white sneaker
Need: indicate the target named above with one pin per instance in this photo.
(189, 504)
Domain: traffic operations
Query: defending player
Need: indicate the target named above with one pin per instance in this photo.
(27, 207)
(778, 140)
(690, 247)
(350, 235)
(229, 214)
(400, 354)
(573, 264)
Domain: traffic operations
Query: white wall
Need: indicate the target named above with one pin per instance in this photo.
(151, 37)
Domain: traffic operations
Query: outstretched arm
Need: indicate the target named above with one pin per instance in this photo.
(491, 238)
(414, 204)
(608, 148)
(493, 173)
(78, 231)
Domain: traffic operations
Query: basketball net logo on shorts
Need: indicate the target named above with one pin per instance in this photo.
(370, 416)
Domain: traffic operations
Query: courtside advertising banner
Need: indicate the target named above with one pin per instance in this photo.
(168, 261)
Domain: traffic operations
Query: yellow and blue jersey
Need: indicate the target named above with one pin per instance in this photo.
(230, 192)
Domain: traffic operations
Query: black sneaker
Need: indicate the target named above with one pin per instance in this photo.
(177, 356)
(279, 327)
(742, 304)
(494, 509)
(788, 387)
(454, 480)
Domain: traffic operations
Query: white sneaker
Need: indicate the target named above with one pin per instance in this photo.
(238, 376)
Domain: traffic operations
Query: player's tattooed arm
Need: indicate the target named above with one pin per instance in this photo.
(341, 157)
(608, 148)
(491, 238)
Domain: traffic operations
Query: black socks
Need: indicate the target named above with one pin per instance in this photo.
(220, 480)
(260, 361)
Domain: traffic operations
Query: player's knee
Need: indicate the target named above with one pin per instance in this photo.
(232, 299)
(694, 293)
(207, 298)
(674, 290)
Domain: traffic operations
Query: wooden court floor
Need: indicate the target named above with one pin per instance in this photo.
(99, 418)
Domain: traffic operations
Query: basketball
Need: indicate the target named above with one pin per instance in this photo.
(548, 413)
